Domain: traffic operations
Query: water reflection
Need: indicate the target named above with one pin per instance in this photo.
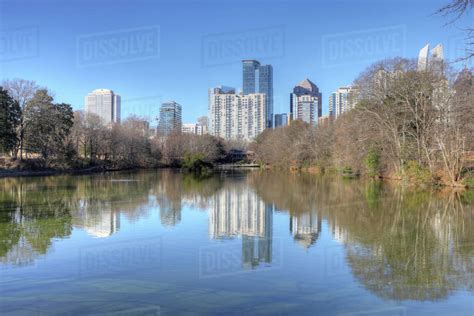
(305, 227)
(237, 210)
(398, 243)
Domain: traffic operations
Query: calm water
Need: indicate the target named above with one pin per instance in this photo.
(165, 243)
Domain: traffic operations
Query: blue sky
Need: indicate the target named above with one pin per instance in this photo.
(179, 49)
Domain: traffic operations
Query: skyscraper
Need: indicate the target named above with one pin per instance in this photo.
(250, 76)
(306, 102)
(236, 116)
(281, 120)
(423, 57)
(259, 79)
(341, 101)
(170, 118)
(431, 59)
(105, 104)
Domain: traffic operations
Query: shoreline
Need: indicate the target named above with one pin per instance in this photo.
(15, 173)
(57, 172)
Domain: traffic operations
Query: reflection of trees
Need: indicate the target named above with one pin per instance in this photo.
(34, 211)
(175, 188)
(400, 244)
(30, 219)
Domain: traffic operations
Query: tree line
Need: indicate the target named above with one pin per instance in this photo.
(37, 132)
(406, 124)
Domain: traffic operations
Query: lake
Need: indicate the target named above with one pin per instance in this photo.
(233, 243)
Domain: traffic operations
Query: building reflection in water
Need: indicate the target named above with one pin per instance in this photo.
(98, 219)
(338, 232)
(305, 228)
(170, 212)
(238, 211)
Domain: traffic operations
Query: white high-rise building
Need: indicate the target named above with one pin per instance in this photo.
(342, 100)
(105, 104)
(236, 116)
(306, 102)
(431, 59)
(193, 128)
(423, 57)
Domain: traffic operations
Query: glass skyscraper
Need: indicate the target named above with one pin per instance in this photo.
(170, 118)
(259, 79)
(281, 120)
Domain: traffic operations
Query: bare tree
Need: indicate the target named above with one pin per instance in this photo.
(457, 9)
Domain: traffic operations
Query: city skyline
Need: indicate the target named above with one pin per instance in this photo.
(153, 80)
(339, 101)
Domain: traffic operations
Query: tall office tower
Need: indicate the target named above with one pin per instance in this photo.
(332, 104)
(259, 79)
(266, 86)
(437, 59)
(250, 76)
(105, 104)
(341, 101)
(431, 59)
(170, 118)
(236, 116)
(423, 58)
(306, 102)
(281, 120)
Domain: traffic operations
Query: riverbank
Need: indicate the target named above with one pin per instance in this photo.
(15, 173)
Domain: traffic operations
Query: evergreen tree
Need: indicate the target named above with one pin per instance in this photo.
(10, 114)
(47, 125)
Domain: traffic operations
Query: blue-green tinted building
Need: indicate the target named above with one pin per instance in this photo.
(170, 118)
(259, 79)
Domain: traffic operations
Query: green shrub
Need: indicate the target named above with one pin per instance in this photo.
(469, 181)
(416, 173)
(372, 163)
(195, 162)
(347, 172)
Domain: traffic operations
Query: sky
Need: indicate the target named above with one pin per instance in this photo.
(153, 51)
